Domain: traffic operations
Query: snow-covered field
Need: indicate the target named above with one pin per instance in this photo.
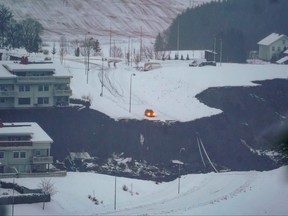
(232, 193)
(170, 90)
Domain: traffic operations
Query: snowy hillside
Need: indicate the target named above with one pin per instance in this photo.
(233, 193)
(74, 18)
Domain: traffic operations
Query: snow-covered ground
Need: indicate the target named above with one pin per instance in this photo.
(232, 193)
(170, 90)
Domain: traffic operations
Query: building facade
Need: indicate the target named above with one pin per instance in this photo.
(24, 148)
(38, 84)
(272, 45)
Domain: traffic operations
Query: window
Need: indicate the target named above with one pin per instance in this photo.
(3, 100)
(19, 154)
(24, 101)
(22, 154)
(1, 154)
(37, 153)
(283, 42)
(15, 154)
(43, 88)
(43, 100)
(24, 88)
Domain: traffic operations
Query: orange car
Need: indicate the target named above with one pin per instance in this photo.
(149, 113)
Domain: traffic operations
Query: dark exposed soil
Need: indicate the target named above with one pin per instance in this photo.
(252, 117)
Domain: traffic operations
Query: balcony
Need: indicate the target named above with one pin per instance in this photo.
(66, 92)
(36, 79)
(42, 160)
(15, 143)
(8, 93)
(42, 79)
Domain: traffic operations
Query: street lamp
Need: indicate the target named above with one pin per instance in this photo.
(180, 163)
(131, 90)
(115, 191)
(101, 94)
(90, 39)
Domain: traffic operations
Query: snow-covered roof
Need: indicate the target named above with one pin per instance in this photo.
(271, 39)
(4, 73)
(26, 128)
(17, 67)
(282, 60)
(6, 66)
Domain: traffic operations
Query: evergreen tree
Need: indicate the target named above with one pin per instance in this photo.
(77, 52)
(159, 43)
(240, 25)
(96, 46)
(31, 30)
(13, 35)
(53, 50)
(5, 17)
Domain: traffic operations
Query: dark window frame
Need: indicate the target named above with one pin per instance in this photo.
(24, 101)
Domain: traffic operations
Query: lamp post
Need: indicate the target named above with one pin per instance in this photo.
(102, 85)
(179, 168)
(13, 195)
(85, 45)
(115, 191)
(131, 90)
(88, 46)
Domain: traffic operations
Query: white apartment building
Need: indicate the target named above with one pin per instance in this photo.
(37, 84)
(24, 148)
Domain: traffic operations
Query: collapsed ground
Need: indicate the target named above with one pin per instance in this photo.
(244, 137)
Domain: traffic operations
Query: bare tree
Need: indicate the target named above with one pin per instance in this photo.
(116, 52)
(148, 52)
(137, 59)
(47, 187)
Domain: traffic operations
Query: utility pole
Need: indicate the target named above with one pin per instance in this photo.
(131, 91)
(178, 42)
(141, 44)
(214, 49)
(102, 79)
(221, 50)
(128, 55)
(110, 42)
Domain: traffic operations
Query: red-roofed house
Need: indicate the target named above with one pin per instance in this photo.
(272, 45)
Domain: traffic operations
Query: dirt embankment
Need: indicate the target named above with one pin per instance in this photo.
(253, 119)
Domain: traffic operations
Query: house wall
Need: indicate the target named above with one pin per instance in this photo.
(264, 52)
(267, 52)
(21, 164)
(278, 46)
(25, 92)
(26, 164)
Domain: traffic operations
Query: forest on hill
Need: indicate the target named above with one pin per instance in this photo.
(237, 25)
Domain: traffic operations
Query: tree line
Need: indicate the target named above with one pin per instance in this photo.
(24, 33)
(231, 25)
